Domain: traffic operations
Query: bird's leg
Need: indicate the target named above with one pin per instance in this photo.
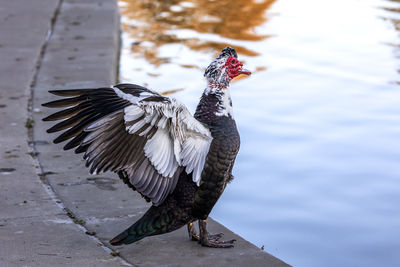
(192, 232)
(195, 237)
(213, 241)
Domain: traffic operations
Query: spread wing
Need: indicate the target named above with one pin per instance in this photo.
(146, 138)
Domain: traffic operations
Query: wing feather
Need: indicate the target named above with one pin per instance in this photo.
(145, 137)
(146, 176)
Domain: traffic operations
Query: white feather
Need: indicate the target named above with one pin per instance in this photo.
(155, 147)
(131, 98)
(159, 150)
(145, 132)
(137, 126)
(194, 153)
(225, 108)
(132, 113)
(154, 120)
(162, 122)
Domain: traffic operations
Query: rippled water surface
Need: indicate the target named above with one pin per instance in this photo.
(317, 179)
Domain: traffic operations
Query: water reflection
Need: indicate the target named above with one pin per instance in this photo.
(393, 16)
(152, 24)
(317, 175)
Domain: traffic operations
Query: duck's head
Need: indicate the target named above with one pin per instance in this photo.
(224, 68)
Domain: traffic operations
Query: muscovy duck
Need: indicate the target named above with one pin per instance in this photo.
(179, 162)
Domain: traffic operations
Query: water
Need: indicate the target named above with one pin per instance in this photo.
(317, 179)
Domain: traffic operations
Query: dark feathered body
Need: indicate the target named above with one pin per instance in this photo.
(217, 170)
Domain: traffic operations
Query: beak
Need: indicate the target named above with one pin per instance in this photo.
(244, 71)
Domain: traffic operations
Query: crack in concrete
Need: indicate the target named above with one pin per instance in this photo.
(35, 154)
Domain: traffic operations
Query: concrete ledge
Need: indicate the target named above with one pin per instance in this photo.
(82, 51)
(34, 229)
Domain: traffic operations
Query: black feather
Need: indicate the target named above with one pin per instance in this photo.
(70, 92)
(71, 122)
(67, 113)
(81, 149)
(74, 131)
(65, 102)
(76, 141)
(155, 99)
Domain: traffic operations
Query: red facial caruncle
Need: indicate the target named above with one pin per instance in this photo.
(235, 67)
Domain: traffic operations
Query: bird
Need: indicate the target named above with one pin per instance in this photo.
(178, 161)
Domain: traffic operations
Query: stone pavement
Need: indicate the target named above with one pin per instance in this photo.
(48, 201)
(34, 230)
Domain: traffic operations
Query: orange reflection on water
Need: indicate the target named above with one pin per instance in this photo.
(396, 24)
(152, 24)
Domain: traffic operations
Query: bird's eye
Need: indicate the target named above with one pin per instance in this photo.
(233, 61)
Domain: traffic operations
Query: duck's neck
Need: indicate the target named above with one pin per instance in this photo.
(215, 102)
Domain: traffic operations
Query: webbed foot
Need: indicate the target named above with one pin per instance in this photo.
(195, 237)
(212, 240)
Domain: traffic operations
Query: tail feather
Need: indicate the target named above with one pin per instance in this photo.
(124, 238)
(157, 220)
(144, 227)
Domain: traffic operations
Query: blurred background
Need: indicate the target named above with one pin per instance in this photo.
(317, 179)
